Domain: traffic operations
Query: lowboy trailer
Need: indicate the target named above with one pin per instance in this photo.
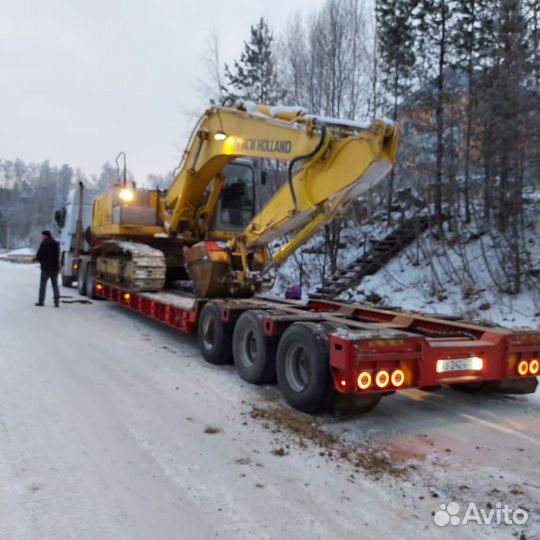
(325, 352)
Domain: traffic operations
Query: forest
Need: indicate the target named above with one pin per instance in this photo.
(460, 77)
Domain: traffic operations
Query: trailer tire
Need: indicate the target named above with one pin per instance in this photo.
(90, 286)
(81, 280)
(213, 335)
(67, 281)
(302, 367)
(254, 354)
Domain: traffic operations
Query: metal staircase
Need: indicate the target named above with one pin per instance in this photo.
(374, 258)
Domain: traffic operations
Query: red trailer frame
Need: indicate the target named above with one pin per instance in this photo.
(371, 350)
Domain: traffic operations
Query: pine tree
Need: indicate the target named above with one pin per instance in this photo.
(531, 9)
(254, 76)
(396, 40)
(466, 39)
(436, 20)
(507, 110)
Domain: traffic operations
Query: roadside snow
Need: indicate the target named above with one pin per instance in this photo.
(441, 282)
(21, 252)
(427, 276)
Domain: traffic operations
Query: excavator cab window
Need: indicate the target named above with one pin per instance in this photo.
(236, 206)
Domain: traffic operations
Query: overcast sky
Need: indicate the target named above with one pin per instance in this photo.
(82, 80)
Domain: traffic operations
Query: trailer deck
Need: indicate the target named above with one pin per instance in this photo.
(369, 351)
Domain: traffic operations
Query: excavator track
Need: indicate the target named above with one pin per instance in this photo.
(133, 266)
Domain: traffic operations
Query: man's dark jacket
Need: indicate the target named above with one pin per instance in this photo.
(48, 255)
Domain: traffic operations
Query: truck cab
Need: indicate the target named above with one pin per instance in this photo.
(72, 220)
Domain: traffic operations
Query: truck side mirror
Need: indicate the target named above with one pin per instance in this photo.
(60, 217)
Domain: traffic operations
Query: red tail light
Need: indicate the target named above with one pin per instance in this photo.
(523, 368)
(398, 378)
(364, 380)
(382, 379)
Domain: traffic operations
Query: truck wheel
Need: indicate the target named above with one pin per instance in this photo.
(81, 281)
(213, 336)
(67, 281)
(302, 367)
(254, 354)
(90, 284)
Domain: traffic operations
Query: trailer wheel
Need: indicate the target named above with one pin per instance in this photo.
(302, 367)
(67, 281)
(213, 336)
(81, 280)
(90, 286)
(254, 354)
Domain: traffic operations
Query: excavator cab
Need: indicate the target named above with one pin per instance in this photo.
(236, 206)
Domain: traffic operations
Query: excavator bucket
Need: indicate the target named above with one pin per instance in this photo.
(210, 270)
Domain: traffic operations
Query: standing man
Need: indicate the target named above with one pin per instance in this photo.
(48, 256)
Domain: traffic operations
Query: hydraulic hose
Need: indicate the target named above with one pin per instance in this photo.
(303, 157)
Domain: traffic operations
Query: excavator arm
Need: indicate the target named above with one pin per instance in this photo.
(224, 134)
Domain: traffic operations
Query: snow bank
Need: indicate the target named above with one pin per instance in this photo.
(24, 254)
(21, 251)
(428, 276)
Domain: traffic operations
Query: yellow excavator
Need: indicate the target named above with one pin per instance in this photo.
(208, 229)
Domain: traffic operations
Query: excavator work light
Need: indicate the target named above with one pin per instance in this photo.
(126, 195)
(220, 136)
(534, 366)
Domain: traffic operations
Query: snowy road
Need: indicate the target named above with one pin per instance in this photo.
(111, 426)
